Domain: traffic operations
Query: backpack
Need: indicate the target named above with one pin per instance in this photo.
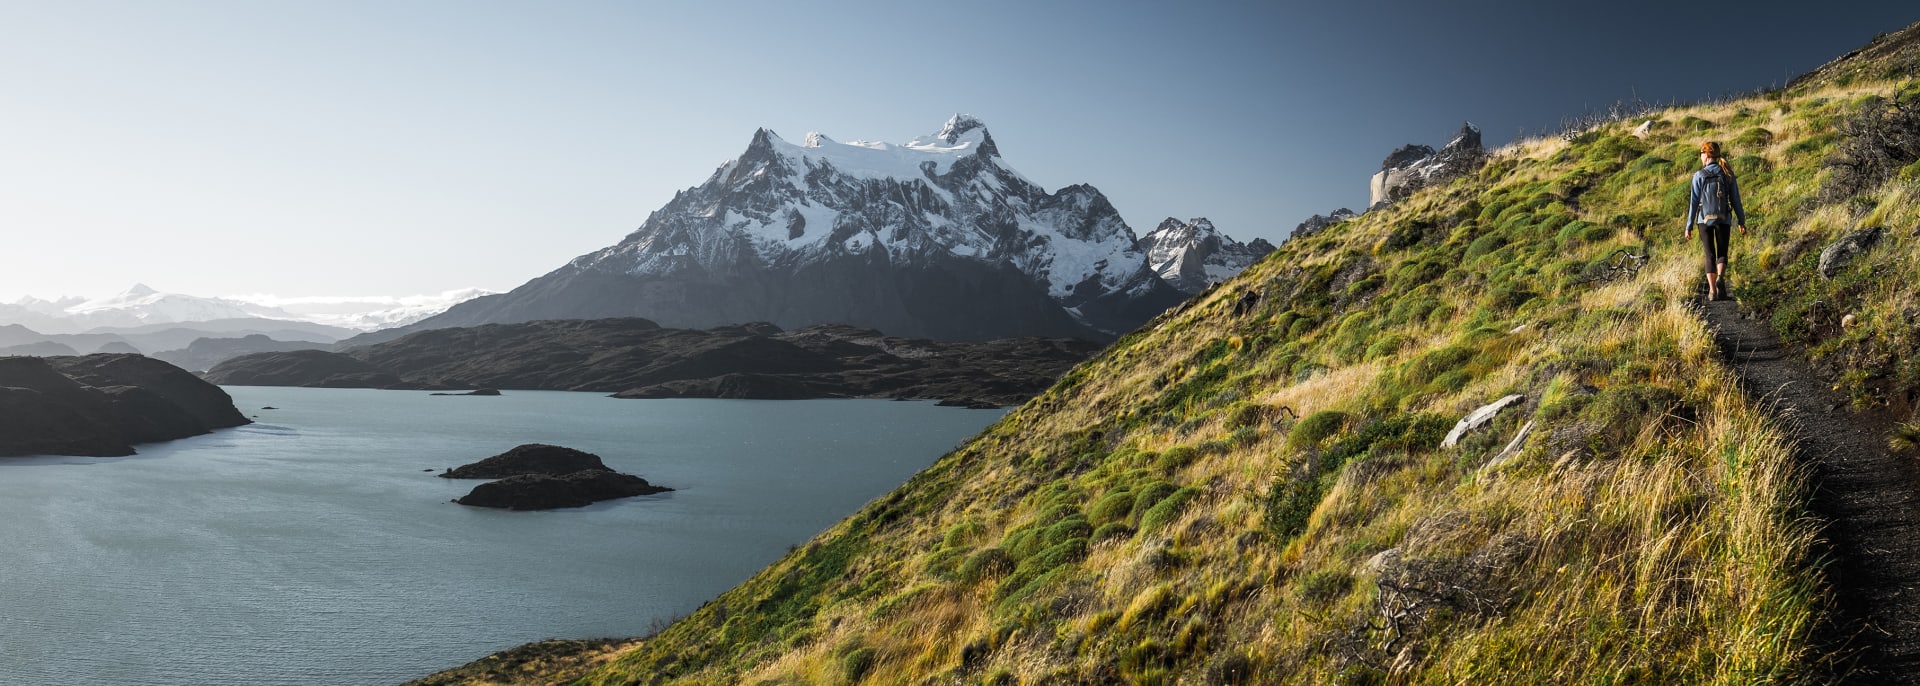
(1713, 197)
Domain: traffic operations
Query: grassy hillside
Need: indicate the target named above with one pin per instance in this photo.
(1252, 489)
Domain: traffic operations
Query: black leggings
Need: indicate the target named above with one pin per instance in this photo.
(1713, 241)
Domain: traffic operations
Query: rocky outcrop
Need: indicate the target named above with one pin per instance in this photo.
(531, 458)
(541, 477)
(101, 405)
(543, 492)
(636, 358)
(1413, 167)
(1193, 255)
(1856, 243)
(1319, 222)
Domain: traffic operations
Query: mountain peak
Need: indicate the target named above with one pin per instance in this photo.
(139, 290)
(959, 125)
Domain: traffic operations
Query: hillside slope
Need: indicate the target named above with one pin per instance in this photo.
(1253, 488)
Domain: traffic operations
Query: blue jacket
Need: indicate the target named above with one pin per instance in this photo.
(1733, 195)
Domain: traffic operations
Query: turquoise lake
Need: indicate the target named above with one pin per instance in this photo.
(316, 546)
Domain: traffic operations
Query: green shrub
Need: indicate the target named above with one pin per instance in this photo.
(1176, 457)
(1317, 427)
(945, 564)
(964, 534)
(1385, 346)
(1111, 530)
(985, 563)
(1168, 509)
(1288, 506)
(1113, 506)
(855, 664)
(1484, 245)
(1150, 496)
(1755, 137)
(1068, 529)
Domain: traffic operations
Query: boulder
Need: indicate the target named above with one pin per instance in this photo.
(545, 492)
(1838, 253)
(531, 458)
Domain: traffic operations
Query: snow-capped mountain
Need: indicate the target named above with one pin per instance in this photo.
(1192, 255)
(936, 237)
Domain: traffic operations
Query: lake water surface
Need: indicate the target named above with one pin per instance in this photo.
(312, 548)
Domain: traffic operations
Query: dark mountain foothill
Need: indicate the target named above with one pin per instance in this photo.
(536, 476)
(636, 358)
(100, 405)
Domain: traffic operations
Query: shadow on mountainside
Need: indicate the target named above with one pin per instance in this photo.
(1868, 497)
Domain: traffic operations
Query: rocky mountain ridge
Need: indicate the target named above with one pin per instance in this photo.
(1192, 255)
(1414, 166)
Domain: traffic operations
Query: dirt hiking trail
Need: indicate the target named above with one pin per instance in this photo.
(1868, 496)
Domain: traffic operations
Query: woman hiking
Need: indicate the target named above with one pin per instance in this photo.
(1714, 208)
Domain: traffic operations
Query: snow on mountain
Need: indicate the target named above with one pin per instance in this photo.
(936, 237)
(141, 305)
(366, 313)
(1192, 255)
(952, 193)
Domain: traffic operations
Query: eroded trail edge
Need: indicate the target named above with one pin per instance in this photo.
(1868, 496)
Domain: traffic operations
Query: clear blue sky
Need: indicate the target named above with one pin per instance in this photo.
(351, 148)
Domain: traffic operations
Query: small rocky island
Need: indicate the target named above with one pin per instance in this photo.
(544, 477)
(101, 405)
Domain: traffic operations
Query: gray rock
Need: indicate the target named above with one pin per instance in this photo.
(1840, 252)
(1478, 418)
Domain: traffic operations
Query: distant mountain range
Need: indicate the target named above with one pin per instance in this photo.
(936, 238)
(142, 308)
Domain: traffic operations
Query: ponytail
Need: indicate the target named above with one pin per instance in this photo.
(1712, 148)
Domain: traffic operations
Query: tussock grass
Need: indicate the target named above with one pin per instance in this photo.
(1156, 517)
